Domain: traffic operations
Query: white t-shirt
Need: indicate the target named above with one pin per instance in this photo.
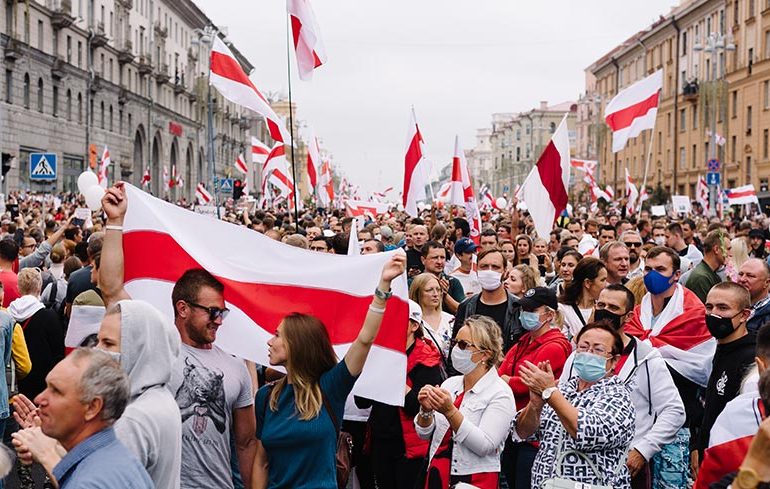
(469, 281)
(442, 336)
(572, 323)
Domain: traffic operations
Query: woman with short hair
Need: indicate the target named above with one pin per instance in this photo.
(468, 418)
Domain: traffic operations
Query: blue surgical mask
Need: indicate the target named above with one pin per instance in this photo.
(656, 282)
(589, 366)
(529, 320)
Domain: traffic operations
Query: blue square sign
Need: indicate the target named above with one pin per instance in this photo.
(42, 166)
(713, 178)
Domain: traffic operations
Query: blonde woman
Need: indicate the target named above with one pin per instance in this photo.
(468, 418)
(297, 416)
(521, 279)
(426, 291)
(736, 256)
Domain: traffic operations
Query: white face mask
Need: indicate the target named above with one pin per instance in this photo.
(660, 241)
(461, 361)
(489, 279)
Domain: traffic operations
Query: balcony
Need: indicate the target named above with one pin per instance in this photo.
(122, 96)
(161, 31)
(690, 91)
(57, 68)
(126, 52)
(162, 76)
(127, 4)
(98, 36)
(61, 16)
(12, 50)
(244, 122)
(145, 65)
(96, 84)
(179, 86)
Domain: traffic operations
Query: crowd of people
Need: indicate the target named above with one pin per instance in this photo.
(619, 351)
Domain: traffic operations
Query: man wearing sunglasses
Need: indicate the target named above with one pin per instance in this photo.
(633, 242)
(212, 388)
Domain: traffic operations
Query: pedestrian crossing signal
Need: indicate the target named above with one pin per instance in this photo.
(42, 166)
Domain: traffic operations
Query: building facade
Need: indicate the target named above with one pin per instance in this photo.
(702, 88)
(127, 74)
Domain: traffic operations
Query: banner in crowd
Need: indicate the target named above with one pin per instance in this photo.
(265, 280)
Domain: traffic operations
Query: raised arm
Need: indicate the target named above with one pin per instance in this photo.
(359, 350)
(115, 206)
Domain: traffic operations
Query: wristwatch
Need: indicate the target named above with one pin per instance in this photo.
(746, 479)
(382, 295)
(547, 393)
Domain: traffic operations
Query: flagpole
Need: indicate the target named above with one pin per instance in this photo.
(210, 117)
(291, 121)
(646, 166)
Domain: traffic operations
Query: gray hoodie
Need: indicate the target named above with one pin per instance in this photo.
(151, 426)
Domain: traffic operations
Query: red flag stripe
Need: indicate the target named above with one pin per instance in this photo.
(625, 117)
(550, 172)
(344, 311)
(228, 67)
(745, 193)
(413, 156)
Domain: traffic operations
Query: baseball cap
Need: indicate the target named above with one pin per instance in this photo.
(415, 312)
(465, 245)
(538, 296)
(756, 233)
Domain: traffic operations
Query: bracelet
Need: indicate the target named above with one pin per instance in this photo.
(376, 310)
(110, 227)
(449, 418)
(425, 414)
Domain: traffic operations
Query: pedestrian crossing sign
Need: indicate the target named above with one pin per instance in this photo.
(42, 166)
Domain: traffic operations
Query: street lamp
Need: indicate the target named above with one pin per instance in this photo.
(716, 44)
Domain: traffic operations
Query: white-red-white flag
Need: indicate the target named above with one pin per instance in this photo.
(633, 110)
(285, 278)
(308, 44)
(702, 194)
(240, 164)
(165, 178)
(545, 189)
(276, 172)
(632, 194)
(233, 83)
(259, 151)
(146, 178)
(610, 191)
(742, 195)
(355, 208)
(415, 170)
(103, 167)
(203, 195)
(326, 185)
(443, 192)
(461, 192)
(586, 166)
(313, 161)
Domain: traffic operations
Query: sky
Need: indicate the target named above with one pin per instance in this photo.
(455, 61)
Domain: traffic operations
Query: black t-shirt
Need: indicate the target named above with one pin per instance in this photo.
(414, 260)
(728, 369)
(496, 312)
(79, 282)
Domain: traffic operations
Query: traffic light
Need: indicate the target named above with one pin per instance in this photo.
(237, 189)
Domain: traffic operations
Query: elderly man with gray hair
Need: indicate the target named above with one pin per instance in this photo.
(85, 394)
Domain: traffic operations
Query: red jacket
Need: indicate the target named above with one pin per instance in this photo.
(552, 346)
(424, 353)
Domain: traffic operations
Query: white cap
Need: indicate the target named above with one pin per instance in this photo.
(415, 311)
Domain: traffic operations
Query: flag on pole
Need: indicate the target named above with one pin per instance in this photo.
(545, 189)
(103, 168)
(702, 193)
(146, 178)
(633, 110)
(233, 83)
(259, 151)
(721, 140)
(203, 195)
(313, 161)
(742, 195)
(414, 169)
(308, 45)
(461, 192)
(165, 178)
(326, 185)
(443, 192)
(632, 194)
(276, 172)
(610, 193)
(586, 166)
(240, 164)
(173, 180)
(285, 278)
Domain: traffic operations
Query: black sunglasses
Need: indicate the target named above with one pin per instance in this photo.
(462, 344)
(633, 245)
(214, 312)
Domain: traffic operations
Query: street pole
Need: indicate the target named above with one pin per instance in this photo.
(291, 125)
(713, 145)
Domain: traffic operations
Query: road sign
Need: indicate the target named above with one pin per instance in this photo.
(713, 178)
(226, 185)
(505, 189)
(713, 165)
(42, 166)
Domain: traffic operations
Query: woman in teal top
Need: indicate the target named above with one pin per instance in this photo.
(296, 438)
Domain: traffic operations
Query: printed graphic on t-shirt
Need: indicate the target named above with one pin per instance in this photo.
(202, 397)
(721, 384)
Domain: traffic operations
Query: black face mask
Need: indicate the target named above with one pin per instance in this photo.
(719, 327)
(608, 316)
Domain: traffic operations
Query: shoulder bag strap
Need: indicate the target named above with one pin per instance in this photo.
(329, 410)
(579, 314)
(426, 327)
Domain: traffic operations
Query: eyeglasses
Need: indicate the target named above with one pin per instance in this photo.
(598, 350)
(633, 245)
(462, 344)
(214, 312)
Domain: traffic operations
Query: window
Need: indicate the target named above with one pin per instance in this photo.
(660, 142)
(682, 157)
(110, 74)
(733, 144)
(684, 44)
(26, 90)
(750, 59)
(767, 45)
(748, 168)
(736, 11)
(80, 108)
(706, 153)
(751, 8)
(695, 117)
(40, 95)
(69, 49)
(766, 94)
(80, 54)
(26, 27)
(695, 156)
(708, 25)
(9, 86)
(111, 125)
(69, 104)
(55, 100)
(764, 144)
(40, 35)
(748, 119)
(668, 124)
(120, 121)
(734, 96)
(682, 120)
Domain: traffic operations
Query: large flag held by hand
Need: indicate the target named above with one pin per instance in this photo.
(545, 189)
(260, 293)
(632, 194)
(415, 169)
(633, 110)
(462, 191)
(233, 83)
(313, 161)
(308, 45)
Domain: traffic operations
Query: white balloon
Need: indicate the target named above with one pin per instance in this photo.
(93, 195)
(86, 180)
(501, 202)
